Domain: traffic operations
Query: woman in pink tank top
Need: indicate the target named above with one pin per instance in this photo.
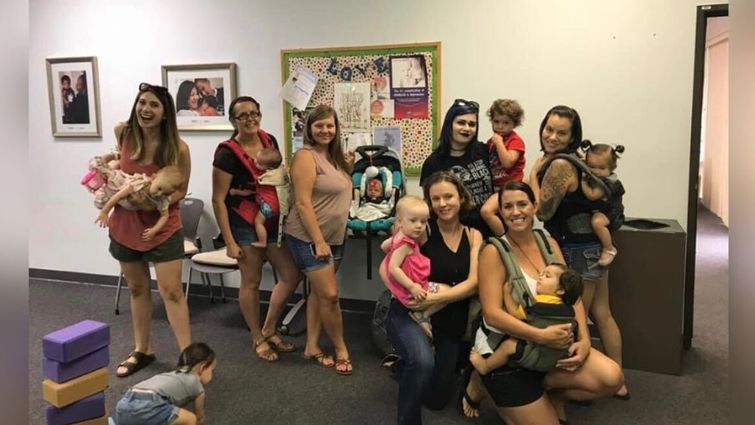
(316, 229)
(149, 141)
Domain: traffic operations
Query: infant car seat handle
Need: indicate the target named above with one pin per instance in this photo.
(374, 150)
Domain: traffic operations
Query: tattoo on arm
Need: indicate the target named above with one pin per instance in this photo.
(554, 187)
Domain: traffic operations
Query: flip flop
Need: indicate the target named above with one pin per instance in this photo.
(464, 395)
(142, 360)
(268, 355)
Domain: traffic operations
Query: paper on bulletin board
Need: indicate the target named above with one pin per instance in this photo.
(299, 87)
(351, 141)
(352, 102)
(409, 86)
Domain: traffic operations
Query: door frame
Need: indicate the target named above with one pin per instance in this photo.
(703, 13)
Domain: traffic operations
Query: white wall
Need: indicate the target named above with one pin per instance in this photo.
(626, 66)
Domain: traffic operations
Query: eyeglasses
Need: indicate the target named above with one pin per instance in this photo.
(246, 115)
(470, 103)
(147, 86)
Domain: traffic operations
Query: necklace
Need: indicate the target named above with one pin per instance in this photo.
(526, 257)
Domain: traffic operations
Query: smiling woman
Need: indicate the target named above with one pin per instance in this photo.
(460, 152)
(148, 142)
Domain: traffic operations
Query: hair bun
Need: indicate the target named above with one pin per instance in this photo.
(585, 144)
(618, 149)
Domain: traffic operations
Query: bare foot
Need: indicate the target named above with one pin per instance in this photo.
(607, 256)
(424, 323)
(478, 362)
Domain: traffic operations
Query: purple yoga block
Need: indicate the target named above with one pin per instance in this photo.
(86, 408)
(75, 341)
(61, 372)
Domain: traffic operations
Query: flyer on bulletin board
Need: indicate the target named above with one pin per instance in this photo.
(409, 86)
(299, 87)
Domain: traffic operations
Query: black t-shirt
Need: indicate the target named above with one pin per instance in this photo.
(450, 268)
(473, 168)
(227, 161)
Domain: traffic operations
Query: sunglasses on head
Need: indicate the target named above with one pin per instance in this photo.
(157, 89)
(469, 103)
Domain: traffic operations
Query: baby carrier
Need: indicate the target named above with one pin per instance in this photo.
(371, 216)
(280, 180)
(541, 315)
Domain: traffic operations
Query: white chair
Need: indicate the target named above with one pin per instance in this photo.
(191, 213)
(213, 262)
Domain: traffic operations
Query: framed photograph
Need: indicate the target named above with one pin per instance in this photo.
(202, 94)
(74, 97)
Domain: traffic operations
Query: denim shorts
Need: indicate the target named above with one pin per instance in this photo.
(583, 258)
(245, 235)
(145, 408)
(304, 254)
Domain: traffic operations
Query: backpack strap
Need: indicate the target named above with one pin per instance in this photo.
(577, 163)
(545, 247)
(520, 290)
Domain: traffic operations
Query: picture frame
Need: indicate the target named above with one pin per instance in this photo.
(74, 91)
(202, 94)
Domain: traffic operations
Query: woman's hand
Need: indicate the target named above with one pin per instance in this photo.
(233, 250)
(578, 353)
(349, 157)
(556, 336)
(322, 250)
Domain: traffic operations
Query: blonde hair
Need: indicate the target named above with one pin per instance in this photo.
(409, 202)
(169, 176)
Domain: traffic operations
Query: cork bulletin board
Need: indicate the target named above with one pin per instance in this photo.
(388, 94)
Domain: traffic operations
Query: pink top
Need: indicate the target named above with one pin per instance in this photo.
(126, 226)
(416, 267)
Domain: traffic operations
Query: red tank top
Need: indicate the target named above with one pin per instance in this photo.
(126, 226)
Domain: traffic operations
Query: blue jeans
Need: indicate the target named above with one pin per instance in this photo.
(139, 408)
(424, 377)
(583, 258)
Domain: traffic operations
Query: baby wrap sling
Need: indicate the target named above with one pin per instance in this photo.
(541, 315)
(277, 178)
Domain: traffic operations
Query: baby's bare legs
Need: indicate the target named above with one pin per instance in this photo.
(600, 225)
(423, 317)
(498, 358)
(259, 228)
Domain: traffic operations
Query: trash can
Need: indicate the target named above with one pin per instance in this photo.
(646, 284)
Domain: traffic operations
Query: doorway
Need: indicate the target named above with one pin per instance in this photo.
(706, 122)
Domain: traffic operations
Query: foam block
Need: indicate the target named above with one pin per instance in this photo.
(61, 372)
(96, 421)
(75, 341)
(88, 408)
(65, 393)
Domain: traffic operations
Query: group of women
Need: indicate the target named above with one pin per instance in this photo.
(455, 185)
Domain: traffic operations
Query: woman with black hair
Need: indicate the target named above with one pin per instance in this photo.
(187, 99)
(460, 152)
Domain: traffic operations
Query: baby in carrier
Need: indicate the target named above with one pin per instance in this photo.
(558, 288)
(608, 215)
(272, 193)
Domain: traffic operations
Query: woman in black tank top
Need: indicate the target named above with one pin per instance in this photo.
(428, 376)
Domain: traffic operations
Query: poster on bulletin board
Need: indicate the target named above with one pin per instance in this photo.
(387, 95)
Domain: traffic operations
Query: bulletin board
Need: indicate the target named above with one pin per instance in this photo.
(404, 96)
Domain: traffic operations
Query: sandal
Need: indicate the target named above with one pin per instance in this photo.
(142, 360)
(278, 344)
(268, 355)
(321, 358)
(465, 397)
(345, 367)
